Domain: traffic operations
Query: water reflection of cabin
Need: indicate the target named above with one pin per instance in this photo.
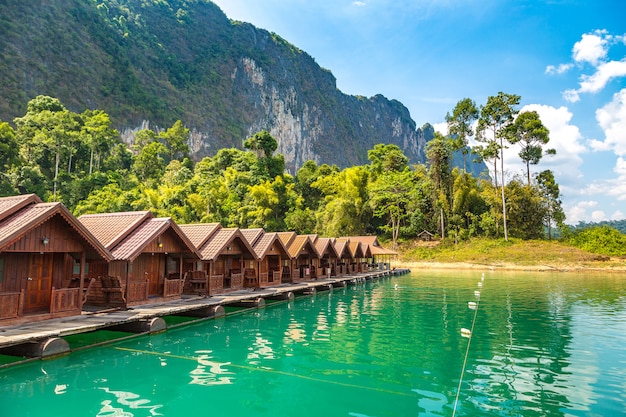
(270, 253)
(225, 254)
(44, 255)
(148, 258)
(303, 254)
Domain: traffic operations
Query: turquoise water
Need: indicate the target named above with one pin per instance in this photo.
(542, 345)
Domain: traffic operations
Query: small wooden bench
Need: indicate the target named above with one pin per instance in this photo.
(112, 289)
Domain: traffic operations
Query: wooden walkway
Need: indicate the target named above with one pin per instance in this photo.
(43, 339)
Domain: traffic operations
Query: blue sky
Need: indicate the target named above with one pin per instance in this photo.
(565, 58)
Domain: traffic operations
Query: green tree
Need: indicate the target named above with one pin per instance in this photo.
(460, 123)
(149, 164)
(385, 158)
(531, 134)
(99, 134)
(175, 139)
(390, 196)
(439, 154)
(552, 197)
(495, 117)
(526, 210)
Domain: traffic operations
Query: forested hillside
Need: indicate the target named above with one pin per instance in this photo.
(148, 63)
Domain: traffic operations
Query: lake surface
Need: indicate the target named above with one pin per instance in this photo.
(542, 345)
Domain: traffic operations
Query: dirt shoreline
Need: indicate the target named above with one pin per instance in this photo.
(416, 265)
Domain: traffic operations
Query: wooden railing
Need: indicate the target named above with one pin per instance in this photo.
(65, 299)
(236, 282)
(216, 284)
(263, 279)
(11, 304)
(172, 287)
(137, 291)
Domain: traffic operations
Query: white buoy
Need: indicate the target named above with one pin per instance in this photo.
(483, 277)
(395, 287)
(472, 305)
(466, 332)
(480, 284)
(477, 293)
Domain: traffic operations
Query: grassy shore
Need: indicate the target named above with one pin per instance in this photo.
(534, 255)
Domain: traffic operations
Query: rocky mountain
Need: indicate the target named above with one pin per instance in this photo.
(150, 62)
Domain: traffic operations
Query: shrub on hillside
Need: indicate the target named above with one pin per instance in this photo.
(602, 240)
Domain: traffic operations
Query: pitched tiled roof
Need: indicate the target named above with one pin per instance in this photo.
(298, 243)
(252, 235)
(112, 228)
(265, 242)
(374, 245)
(324, 245)
(132, 246)
(341, 247)
(9, 205)
(13, 227)
(287, 237)
(199, 233)
(219, 241)
(356, 251)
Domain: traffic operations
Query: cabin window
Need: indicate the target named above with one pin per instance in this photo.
(76, 268)
(171, 265)
(251, 265)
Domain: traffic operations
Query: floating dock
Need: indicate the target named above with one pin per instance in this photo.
(46, 339)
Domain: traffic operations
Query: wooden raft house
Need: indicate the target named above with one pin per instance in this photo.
(270, 253)
(225, 254)
(148, 253)
(378, 256)
(328, 257)
(44, 257)
(304, 257)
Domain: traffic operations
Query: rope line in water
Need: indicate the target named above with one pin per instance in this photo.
(273, 371)
(469, 343)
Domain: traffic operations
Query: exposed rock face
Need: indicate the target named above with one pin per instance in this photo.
(149, 64)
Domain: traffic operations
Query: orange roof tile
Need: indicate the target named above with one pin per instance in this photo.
(299, 243)
(112, 228)
(263, 245)
(252, 235)
(219, 241)
(199, 233)
(287, 237)
(324, 245)
(13, 227)
(11, 204)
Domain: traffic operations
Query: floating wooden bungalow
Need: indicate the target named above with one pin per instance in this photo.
(226, 256)
(344, 256)
(149, 255)
(271, 253)
(303, 254)
(328, 257)
(44, 256)
(378, 256)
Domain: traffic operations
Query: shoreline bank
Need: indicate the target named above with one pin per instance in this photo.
(417, 265)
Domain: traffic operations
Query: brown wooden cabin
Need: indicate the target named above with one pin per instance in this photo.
(226, 255)
(328, 257)
(344, 256)
(44, 256)
(149, 255)
(378, 257)
(304, 257)
(355, 263)
(270, 253)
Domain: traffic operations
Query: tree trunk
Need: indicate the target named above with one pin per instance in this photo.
(506, 235)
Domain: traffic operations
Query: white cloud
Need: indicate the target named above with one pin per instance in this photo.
(441, 128)
(592, 48)
(604, 74)
(598, 216)
(578, 212)
(562, 68)
(612, 120)
(565, 138)
(359, 3)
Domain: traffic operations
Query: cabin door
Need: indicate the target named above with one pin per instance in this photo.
(39, 282)
(154, 269)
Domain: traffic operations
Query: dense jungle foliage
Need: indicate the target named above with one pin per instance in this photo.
(78, 159)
